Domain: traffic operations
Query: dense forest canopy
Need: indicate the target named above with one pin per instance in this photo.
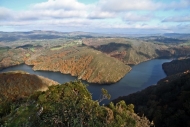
(69, 105)
(167, 103)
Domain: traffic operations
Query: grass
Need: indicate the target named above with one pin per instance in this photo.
(186, 43)
(32, 49)
(73, 43)
(4, 49)
(56, 48)
(28, 54)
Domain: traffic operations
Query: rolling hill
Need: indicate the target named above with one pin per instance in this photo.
(135, 51)
(85, 63)
(18, 84)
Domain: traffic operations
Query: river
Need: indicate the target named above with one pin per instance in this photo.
(141, 76)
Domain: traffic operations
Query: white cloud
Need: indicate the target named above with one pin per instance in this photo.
(60, 9)
(104, 14)
(5, 13)
(141, 5)
(131, 16)
(127, 5)
(70, 22)
(177, 19)
(50, 14)
(60, 4)
(101, 15)
(182, 4)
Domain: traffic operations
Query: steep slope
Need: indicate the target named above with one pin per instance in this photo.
(15, 56)
(126, 50)
(83, 62)
(134, 51)
(176, 66)
(166, 103)
(19, 84)
(70, 105)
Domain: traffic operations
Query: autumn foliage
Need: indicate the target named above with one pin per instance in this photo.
(83, 62)
(16, 85)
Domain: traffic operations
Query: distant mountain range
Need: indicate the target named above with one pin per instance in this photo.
(12, 36)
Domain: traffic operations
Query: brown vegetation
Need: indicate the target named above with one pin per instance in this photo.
(17, 84)
(86, 63)
(132, 51)
(14, 57)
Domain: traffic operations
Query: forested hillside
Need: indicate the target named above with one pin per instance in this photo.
(85, 63)
(18, 84)
(134, 51)
(167, 103)
(176, 66)
(68, 105)
(95, 58)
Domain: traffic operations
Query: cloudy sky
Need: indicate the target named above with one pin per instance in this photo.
(110, 16)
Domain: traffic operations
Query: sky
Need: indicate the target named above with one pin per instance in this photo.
(99, 16)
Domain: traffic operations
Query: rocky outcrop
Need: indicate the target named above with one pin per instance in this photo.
(83, 62)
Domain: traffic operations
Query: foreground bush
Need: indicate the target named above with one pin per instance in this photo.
(68, 105)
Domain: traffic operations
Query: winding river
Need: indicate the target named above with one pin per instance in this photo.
(141, 76)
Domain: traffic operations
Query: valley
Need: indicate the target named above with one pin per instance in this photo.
(95, 63)
(34, 64)
(92, 57)
(148, 73)
(167, 103)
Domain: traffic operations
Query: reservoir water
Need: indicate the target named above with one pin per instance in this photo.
(141, 76)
